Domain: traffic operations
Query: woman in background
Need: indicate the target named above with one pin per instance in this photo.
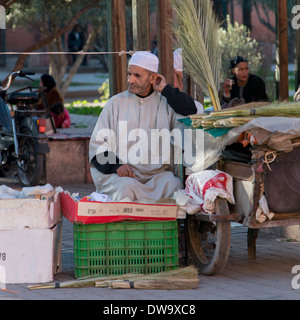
(53, 95)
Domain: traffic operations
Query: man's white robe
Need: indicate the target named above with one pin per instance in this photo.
(128, 127)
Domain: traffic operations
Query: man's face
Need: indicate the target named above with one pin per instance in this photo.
(139, 81)
(241, 71)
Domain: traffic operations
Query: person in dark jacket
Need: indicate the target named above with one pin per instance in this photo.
(76, 42)
(243, 86)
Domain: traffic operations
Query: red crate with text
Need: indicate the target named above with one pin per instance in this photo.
(91, 212)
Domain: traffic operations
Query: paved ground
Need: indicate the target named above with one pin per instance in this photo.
(269, 277)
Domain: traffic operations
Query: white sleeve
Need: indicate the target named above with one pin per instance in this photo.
(199, 106)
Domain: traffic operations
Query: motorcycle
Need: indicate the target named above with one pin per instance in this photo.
(23, 142)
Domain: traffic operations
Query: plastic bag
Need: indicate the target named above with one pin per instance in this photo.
(27, 192)
(38, 190)
(205, 186)
(9, 193)
(99, 197)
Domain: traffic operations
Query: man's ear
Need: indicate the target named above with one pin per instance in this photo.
(153, 77)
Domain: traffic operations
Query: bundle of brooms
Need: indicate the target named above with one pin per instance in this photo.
(177, 279)
(237, 116)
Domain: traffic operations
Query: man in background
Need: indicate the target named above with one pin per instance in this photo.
(243, 87)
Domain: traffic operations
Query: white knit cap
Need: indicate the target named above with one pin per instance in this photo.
(145, 60)
(178, 65)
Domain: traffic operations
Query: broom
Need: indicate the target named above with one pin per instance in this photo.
(223, 112)
(291, 109)
(235, 117)
(178, 279)
(231, 122)
(100, 281)
(161, 284)
(197, 33)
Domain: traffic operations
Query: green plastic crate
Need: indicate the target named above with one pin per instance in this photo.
(125, 247)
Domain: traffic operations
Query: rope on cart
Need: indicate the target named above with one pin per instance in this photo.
(268, 159)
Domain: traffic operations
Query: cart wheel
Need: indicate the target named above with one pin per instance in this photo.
(208, 243)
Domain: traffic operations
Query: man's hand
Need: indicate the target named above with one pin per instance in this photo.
(227, 86)
(160, 83)
(125, 171)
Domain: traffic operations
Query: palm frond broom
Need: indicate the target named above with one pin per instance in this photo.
(196, 30)
(237, 116)
(187, 276)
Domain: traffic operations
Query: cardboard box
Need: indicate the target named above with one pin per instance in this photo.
(30, 255)
(43, 212)
(90, 212)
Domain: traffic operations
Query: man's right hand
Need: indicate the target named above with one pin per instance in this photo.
(159, 83)
(227, 86)
(125, 171)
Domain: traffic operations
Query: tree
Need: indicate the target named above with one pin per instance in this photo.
(265, 5)
(53, 18)
(236, 40)
(7, 3)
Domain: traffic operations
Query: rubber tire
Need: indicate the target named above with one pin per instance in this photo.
(33, 173)
(194, 244)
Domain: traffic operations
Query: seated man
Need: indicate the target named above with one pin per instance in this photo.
(125, 161)
(243, 85)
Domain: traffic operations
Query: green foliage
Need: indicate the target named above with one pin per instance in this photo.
(104, 91)
(237, 41)
(85, 107)
(94, 108)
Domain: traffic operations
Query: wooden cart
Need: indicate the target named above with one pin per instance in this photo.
(208, 236)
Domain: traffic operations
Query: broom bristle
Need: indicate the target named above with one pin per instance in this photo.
(196, 30)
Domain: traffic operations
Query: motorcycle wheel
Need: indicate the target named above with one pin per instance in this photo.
(31, 169)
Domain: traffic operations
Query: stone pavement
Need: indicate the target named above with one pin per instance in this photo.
(81, 124)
